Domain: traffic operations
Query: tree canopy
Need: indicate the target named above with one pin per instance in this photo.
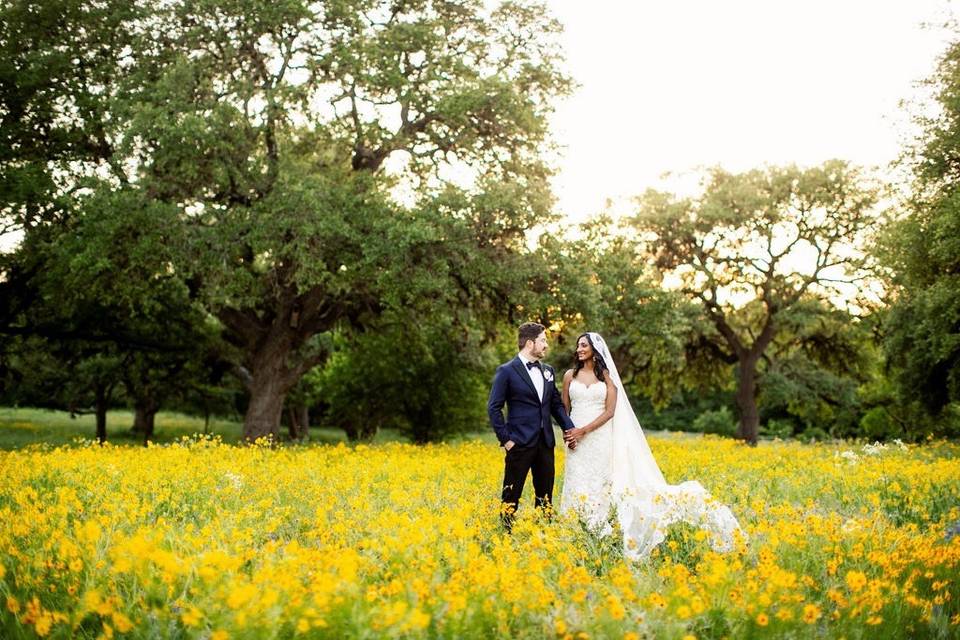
(271, 150)
(922, 247)
(750, 250)
(343, 206)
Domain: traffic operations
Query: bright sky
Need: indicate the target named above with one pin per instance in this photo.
(676, 85)
(673, 85)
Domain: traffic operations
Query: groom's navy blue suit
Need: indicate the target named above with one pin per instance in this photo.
(528, 426)
(529, 415)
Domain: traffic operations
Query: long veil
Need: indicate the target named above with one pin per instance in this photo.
(645, 504)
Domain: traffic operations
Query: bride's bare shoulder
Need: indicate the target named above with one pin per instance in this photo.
(568, 375)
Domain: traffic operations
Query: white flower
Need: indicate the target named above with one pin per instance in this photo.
(874, 449)
(849, 456)
(233, 479)
(547, 375)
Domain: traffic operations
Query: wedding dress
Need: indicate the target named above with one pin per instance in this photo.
(612, 468)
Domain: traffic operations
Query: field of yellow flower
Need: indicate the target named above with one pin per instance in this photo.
(206, 540)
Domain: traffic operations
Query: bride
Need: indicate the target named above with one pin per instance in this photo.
(609, 464)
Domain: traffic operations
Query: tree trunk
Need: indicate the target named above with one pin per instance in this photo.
(747, 400)
(299, 423)
(422, 426)
(364, 431)
(293, 426)
(304, 421)
(102, 403)
(272, 365)
(149, 416)
(143, 413)
(270, 380)
(148, 431)
(139, 421)
(262, 419)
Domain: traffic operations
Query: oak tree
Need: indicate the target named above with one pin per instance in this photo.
(754, 246)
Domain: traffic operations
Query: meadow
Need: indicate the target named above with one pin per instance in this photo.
(197, 538)
(20, 427)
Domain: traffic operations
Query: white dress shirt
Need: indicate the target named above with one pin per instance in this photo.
(537, 377)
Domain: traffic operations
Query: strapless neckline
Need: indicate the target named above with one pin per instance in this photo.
(586, 386)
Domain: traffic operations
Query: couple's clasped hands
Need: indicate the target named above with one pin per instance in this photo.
(572, 436)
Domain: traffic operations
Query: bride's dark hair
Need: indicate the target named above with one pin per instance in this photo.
(599, 366)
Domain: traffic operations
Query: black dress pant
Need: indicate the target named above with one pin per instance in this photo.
(537, 458)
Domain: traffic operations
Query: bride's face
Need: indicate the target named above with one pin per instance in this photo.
(584, 350)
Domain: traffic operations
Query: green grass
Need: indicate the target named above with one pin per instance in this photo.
(20, 427)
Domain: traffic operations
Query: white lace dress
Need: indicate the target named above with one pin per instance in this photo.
(601, 474)
(586, 476)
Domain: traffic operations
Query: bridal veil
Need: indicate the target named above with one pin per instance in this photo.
(645, 504)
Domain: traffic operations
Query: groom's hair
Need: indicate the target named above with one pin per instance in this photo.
(529, 331)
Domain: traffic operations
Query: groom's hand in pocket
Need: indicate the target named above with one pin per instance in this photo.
(508, 445)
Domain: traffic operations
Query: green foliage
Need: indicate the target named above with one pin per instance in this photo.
(62, 66)
(814, 369)
(349, 188)
(775, 428)
(43, 427)
(423, 378)
(248, 160)
(922, 248)
(672, 354)
(107, 310)
(739, 253)
(683, 409)
(923, 341)
(58, 374)
(744, 235)
(605, 287)
(889, 414)
(719, 421)
(877, 424)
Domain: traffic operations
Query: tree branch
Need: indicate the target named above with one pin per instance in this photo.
(243, 323)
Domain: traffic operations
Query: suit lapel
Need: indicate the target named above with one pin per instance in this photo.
(546, 394)
(522, 371)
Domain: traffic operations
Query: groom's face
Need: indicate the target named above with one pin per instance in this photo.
(539, 348)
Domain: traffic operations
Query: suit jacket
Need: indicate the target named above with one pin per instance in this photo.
(527, 414)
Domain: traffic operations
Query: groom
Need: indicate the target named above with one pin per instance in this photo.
(528, 388)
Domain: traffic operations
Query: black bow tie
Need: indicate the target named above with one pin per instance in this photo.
(531, 365)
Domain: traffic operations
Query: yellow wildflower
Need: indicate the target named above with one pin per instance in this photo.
(42, 625)
(811, 613)
(121, 622)
(856, 580)
(191, 617)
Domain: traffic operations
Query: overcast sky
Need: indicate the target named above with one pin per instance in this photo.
(674, 85)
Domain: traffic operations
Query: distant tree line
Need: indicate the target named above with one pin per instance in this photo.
(337, 213)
